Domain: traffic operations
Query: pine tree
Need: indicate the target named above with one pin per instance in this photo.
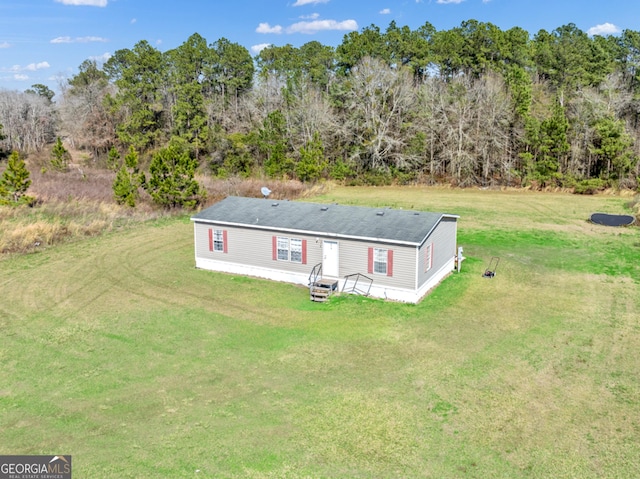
(172, 181)
(613, 148)
(312, 161)
(59, 156)
(15, 181)
(273, 141)
(128, 179)
(113, 159)
(548, 146)
(123, 188)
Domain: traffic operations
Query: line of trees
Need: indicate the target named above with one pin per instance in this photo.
(473, 105)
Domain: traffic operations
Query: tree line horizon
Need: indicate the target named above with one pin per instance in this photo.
(471, 105)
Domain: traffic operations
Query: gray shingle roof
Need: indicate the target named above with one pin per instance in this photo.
(381, 224)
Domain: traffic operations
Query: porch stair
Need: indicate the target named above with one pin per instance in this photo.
(320, 290)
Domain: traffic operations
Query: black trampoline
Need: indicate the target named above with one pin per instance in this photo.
(612, 220)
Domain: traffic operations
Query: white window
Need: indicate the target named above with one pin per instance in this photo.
(428, 257)
(296, 250)
(380, 260)
(218, 240)
(283, 249)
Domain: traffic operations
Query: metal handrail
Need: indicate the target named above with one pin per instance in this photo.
(354, 289)
(316, 272)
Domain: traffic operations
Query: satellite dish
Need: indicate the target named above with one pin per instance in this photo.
(265, 191)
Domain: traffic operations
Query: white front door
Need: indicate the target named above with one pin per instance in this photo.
(330, 259)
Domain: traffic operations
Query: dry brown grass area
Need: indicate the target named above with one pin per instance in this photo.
(79, 203)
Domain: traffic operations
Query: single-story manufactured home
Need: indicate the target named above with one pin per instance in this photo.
(385, 253)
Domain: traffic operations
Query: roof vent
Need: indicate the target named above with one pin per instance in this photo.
(324, 208)
(380, 213)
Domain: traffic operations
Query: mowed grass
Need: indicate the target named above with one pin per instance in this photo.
(118, 351)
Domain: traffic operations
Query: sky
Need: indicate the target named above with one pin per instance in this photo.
(45, 41)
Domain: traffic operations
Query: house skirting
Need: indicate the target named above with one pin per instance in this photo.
(408, 295)
(246, 270)
(376, 291)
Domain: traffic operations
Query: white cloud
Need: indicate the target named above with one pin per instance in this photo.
(299, 3)
(266, 28)
(90, 3)
(20, 77)
(101, 58)
(255, 49)
(61, 40)
(385, 11)
(444, 2)
(37, 66)
(313, 16)
(5, 45)
(78, 40)
(133, 20)
(322, 25)
(603, 29)
(30, 67)
(91, 39)
(309, 27)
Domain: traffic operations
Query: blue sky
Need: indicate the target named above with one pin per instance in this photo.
(44, 41)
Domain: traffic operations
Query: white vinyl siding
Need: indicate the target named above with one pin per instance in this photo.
(442, 243)
(258, 249)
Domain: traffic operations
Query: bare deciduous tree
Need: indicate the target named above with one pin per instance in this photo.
(456, 111)
(375, 99)
(29, 120)
(490, 138)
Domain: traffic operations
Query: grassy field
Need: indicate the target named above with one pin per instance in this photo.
(118, 351)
